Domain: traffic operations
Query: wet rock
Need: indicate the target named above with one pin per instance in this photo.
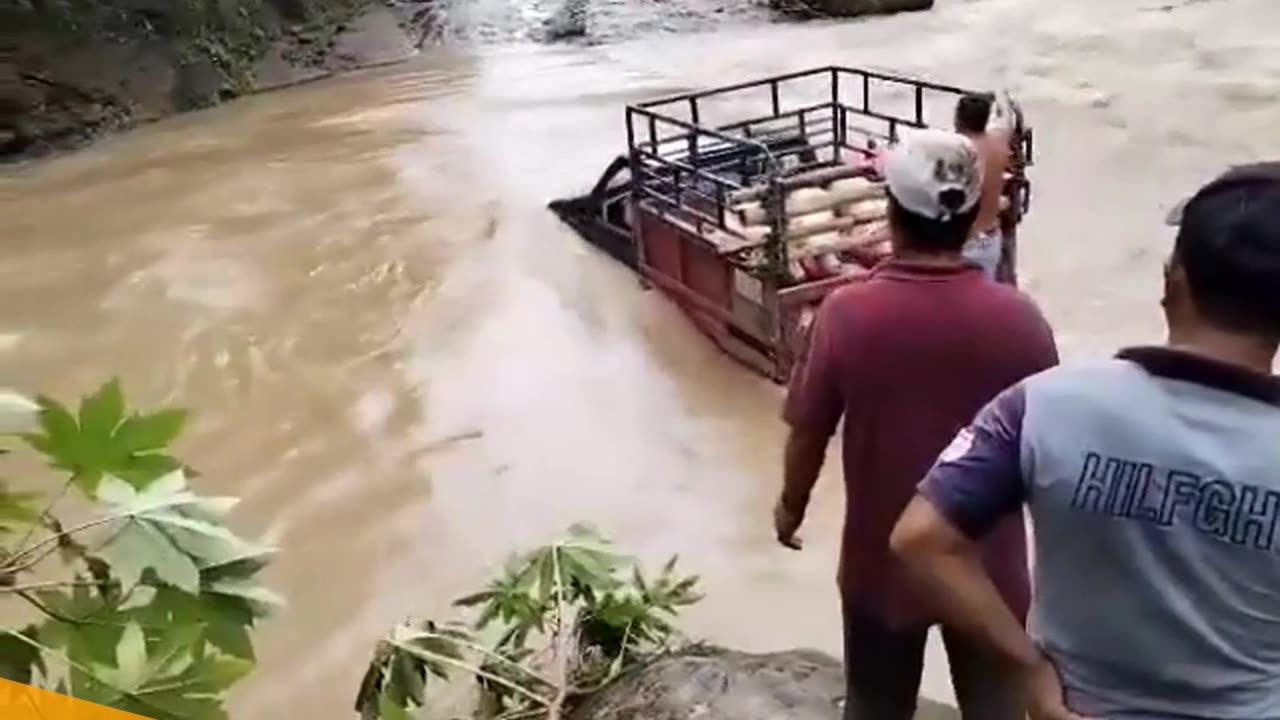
(373, 38)
(422, 20)
(853, 8)
(197, 84)
(279, 68)
(568, 21)
(714, 684)
(40, 114)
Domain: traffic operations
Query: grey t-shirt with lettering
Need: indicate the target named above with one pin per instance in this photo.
(1153, 484)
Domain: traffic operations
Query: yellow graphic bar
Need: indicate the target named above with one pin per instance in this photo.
(23, 702)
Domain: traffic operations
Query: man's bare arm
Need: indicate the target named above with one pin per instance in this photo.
(947, 561)
(805, 453)
(814, 405)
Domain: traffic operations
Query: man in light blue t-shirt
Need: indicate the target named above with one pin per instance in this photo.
(1153, 485)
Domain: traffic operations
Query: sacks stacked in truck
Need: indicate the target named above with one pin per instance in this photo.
(839, 228)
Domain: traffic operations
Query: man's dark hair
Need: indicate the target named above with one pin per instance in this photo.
(973, 112)
(1229, 248)
(924, 234)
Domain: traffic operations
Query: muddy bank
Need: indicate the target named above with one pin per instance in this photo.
(67, 78)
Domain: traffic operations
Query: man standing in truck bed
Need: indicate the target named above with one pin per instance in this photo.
(906, 358)
(989, 125)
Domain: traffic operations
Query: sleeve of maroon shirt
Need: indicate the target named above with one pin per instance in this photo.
(814, 401)
(978, 479)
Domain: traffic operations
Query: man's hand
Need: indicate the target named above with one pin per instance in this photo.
(1045, 699)
(785, 524)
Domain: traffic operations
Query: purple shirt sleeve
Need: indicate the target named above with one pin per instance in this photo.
(978, 480)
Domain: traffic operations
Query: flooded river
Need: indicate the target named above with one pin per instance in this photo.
(408, 368)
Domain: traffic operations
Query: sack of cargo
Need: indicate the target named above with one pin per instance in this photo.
(851, 190)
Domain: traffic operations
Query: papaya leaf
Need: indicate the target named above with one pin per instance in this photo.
(131, 661)
(142, 596)
(173, 705)
(410, 680)
(102, 412)
(158, 535)
(141, 546)
(671, 565)
(243, 568)
(261, 601)
(396, 680)
(473, 599)
(85, 626)
(19, 656)
(100, 440)
(369, 696)
(547, 576)
(224, 620)
(18, 510)
(158, 621)
(487, 616)
(389, 710)
(163, 676)
(145, 433)
(80, 604)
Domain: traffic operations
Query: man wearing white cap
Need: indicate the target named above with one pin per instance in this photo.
(906, 358)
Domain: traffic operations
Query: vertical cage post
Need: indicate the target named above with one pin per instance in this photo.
(637, 193)
(693, 135)
(837, 138)
(777, 244)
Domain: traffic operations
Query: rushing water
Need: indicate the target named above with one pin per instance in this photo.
(408, 369)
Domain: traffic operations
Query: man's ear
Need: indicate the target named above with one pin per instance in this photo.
(1175, 282)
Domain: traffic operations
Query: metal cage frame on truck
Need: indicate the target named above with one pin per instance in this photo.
(663, 208)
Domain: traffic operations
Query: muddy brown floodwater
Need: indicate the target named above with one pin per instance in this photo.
(408, 368)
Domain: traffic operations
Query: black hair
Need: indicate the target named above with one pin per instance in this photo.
(1229, 248)
(973, 112)
(924, 234)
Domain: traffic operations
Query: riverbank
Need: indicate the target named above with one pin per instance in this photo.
(68, 76)
(67, 80)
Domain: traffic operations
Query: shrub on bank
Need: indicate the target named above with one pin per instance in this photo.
(135, 594)
(556, 625)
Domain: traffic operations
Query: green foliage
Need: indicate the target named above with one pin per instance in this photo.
(229, 34)
(148, 605)
(573, 596)
(19, 655)
(18, 511)
(101, 440)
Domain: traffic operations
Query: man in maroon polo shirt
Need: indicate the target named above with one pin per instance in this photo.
(907, 358)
